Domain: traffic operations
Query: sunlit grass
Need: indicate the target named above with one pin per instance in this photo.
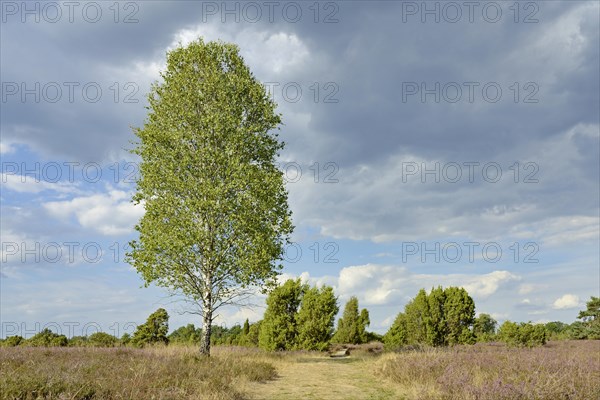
(559, 370)
(126, 373)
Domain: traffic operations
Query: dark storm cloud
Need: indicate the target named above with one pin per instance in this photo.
(374, 53)
(78, 124)
(378, 54)
(372, 49)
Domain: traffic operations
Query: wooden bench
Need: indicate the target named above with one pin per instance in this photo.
(340, 353)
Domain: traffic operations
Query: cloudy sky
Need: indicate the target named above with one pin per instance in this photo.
(428, 143)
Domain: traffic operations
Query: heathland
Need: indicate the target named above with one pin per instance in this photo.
(557, 370)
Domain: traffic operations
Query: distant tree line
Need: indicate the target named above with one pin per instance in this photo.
(299, 316)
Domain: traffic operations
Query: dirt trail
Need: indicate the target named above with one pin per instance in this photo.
(324, 378)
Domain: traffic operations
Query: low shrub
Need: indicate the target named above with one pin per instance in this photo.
(101, 339)
(12, 341)
(47, 338)
(523, 334)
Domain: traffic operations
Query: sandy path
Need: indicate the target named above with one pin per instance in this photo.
(324, 378)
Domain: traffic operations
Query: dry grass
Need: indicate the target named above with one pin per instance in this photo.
(125, 373)
(559, 370)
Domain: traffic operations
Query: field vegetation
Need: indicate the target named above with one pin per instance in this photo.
(557, 370)
(436, 349)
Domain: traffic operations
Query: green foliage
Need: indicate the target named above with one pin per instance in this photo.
(12, 341)
(459, 309)
(217, 216)
(297, 317)
(577, 330)
(220, 335)
(556, 327)
(125, 339)
(101, 339)
(557, 330)
(437, 329)
(484, 328)
(590, 328)
(374, 337)
(227, 336)
(78, 341)
(278, 330)
(154, 330)
(444, 317)
(47, 338)
(316, 317)
(188, 334)
(352, 326)
(246, 328)
(417, 313)
(363, 321)
(397, 335)
(524, 334)
(592, 311)
(253, 333)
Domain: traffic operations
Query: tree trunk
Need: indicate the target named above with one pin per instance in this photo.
(205, 343)
(207, 305)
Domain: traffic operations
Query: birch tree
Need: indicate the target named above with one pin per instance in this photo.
(216, 212)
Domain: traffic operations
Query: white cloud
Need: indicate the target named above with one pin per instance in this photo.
(35, 184)
(109, 213)
(486, 285)
(527, 288)
(6, 148)
(230, 316)
(378, 285)
(566, 301)
(387, 322)
(375, 284)
(564, 230)
(267, 53)
(499, 316)
(84, 302)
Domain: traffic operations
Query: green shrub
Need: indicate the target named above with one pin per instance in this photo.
(47, 338)
(253, 333)
(188, 334)
(125, 339)
(589, 326)
(557, 330)
(12, 341)
(78, 341)
(352, 326)
(442, 317)
(101, 339)
(484, 328)
(154, 331)
(523, 334)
